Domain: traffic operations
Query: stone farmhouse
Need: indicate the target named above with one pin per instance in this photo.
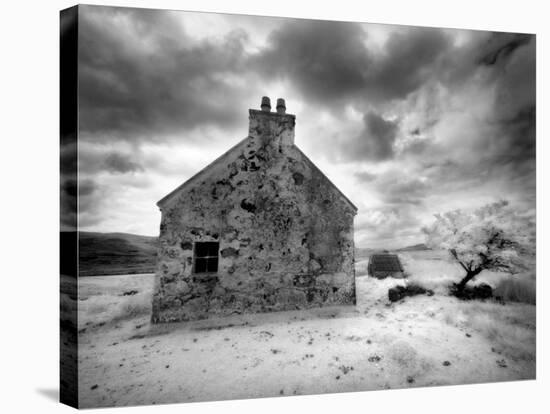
(260, 229)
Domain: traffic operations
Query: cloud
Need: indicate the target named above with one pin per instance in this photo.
(141, 77)
(387, 226)
(117, 162)
(407, 120)
(397, 187)
(496, 72)
(330, 64)
(365, 176)
(408, 61)
(499, 98)
(515, 102)
(504, 65)
(375, 142)
(78, 198)
(401, 188)
(501, 45)
(464, 132)
(90, 202)
(68, 188)
(86, 187)
(326, 61)
(68, 203)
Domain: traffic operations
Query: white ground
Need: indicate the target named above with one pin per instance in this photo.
(375, 345)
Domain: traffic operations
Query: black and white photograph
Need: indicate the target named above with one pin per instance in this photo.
(260, 207)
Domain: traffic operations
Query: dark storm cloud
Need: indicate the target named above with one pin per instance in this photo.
(504, 138)
(142, 77)
(409, 59)
(68, 176)
(500, 62)
(506, 64)
(445, 113)
(330, 64)
(96, 158)
(501, 45)
(515, 104)
(68, 202)
(89, 203)
(117, 162)
(86, 187)
(516, 140)
(375, 142)
(68, 157)
(329, 61)
(326, 61)
(75, 196)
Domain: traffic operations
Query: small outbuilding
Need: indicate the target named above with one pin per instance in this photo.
(384, 265)
(260, 229)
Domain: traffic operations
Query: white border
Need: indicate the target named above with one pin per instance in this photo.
(29, 161)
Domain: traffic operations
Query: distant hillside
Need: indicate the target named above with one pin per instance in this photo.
(116, 253)
(123, 253)
(365, 252)
(416, 247)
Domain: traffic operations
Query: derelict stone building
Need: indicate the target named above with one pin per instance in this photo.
(259, 229)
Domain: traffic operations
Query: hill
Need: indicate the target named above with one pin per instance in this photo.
(116, 254)
(414, 248)
(366, 252)
(123, 253)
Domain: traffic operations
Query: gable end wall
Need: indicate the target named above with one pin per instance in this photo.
(285, 235)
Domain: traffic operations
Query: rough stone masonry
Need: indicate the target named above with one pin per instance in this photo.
(260, 229)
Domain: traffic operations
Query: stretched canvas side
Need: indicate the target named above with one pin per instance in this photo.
(68, 96)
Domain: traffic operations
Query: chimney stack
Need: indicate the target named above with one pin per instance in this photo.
(281, 106)
(266, 104)
(273, 128)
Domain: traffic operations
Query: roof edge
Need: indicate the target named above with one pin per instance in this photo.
(193, 178)
(353, 206)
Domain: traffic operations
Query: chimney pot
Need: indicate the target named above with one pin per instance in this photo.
(281, 106)
(266, 104)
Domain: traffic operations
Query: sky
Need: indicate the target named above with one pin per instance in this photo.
(406, 121)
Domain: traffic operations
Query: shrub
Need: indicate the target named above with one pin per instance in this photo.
(517, 290)
(399, 292)
(481, 291)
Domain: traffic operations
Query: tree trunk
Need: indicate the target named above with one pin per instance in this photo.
(469, 276)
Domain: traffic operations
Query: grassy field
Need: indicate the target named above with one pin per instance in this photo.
(421, 341)
(116, 254)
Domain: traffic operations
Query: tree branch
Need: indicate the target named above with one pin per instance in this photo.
(453, 252)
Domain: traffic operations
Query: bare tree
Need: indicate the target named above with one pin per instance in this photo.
(493, 237)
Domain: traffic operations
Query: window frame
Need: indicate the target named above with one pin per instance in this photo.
(207, 258)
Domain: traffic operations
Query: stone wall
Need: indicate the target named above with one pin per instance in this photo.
(285, 232)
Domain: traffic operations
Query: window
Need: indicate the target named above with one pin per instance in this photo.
(206, 257)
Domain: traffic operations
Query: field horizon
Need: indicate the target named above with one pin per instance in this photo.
(119, 253)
